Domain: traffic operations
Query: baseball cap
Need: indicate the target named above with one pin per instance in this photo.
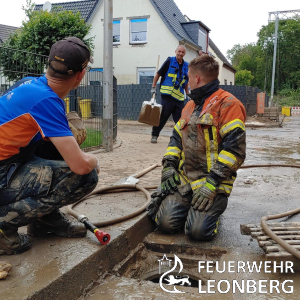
(71, 52)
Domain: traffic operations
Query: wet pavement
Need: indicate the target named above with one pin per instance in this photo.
(58, 268)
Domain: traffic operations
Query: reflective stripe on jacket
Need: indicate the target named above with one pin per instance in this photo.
(214, 142)
(174, 84)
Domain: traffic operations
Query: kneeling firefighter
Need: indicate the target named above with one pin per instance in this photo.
(207, 146)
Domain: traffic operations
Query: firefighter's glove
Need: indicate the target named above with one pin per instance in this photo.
(153, 90)
(169, 180)
(153, 206)
(204, 196)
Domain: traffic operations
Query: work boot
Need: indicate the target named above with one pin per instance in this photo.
(11, 242)
(57, 223)
(154, 139)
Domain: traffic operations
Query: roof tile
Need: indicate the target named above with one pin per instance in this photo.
(86, 8)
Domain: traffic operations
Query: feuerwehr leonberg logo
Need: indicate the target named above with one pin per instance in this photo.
(171, 279)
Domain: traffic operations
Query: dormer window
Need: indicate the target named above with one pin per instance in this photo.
(202, 38)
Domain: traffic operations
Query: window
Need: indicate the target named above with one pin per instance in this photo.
(230, 82)
(146, 75)
(116, 32)
(225, 81)
(202, 40)
(138, 31)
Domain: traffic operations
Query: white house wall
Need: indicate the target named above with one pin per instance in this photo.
(127, 58)
(228, 75)
(224, 74)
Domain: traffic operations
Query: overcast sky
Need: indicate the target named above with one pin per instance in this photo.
(231, 22)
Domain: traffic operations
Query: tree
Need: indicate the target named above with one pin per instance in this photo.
(243, 77)
(258, 58)
(249, 57)
(37, 35)
(288, 54)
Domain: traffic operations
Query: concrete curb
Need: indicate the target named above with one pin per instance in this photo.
(79, 280)
(55, 278)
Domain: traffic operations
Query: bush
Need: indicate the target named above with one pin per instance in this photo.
(288, 97)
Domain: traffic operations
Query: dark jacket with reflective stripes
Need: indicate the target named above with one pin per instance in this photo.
(175, 81)
(210, 141)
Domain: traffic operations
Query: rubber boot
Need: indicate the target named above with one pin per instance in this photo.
(11, 242)
(57, 223)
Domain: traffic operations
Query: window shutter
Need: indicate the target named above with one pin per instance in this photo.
(116, 28)
(138, 25)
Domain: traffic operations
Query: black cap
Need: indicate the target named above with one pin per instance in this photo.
(71, 52)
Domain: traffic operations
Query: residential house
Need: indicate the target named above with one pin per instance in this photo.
(145, 33)
(5, 32)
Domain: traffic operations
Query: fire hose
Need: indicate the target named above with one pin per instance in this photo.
(129, 187)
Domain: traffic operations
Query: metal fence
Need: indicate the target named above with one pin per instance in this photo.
(17, 64)
(87, 99)
(131, 97)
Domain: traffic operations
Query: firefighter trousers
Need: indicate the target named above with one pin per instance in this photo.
(175, 214)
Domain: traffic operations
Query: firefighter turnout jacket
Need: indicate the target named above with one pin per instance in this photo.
(209, 139)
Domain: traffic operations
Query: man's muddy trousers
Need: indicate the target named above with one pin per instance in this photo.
(175, 214)
(38, 187)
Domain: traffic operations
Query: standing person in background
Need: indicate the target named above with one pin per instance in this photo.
(174, 81)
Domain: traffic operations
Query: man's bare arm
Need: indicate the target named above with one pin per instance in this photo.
(155, 79)
(79, 162)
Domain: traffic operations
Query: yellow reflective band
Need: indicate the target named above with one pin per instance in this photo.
(217, 224)
(215, 141)
(173, 92)
(172, 154)
(197, 183)
(183, 179)
(226, 188)
(168, 88)
(232, 125)
(208, 152)
(177, 128)
(172, 75)
(177, 92)
(227, 158)
(230, 181)
(183, 156)
(181, 162)
(175, 151)
(181, 98)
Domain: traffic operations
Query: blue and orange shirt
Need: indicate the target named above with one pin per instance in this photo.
(29, 113)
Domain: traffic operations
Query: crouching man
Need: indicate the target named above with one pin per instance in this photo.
(206, 149)
(33, 188)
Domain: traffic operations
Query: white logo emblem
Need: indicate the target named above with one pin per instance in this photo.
(171, 279)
